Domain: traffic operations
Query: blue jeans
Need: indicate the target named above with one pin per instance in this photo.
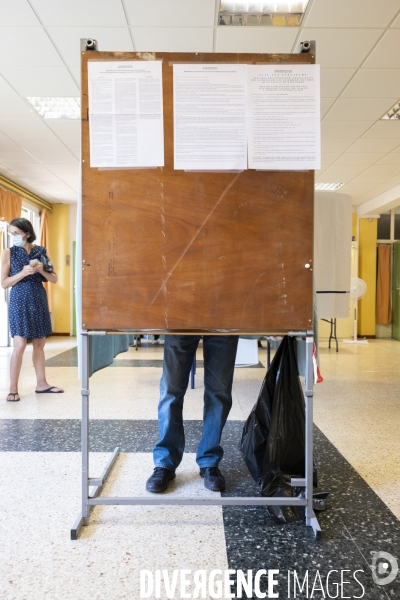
(219, 364)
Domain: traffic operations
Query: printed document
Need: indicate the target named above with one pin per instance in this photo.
(284, 117)
(126, 114)
(210, 131)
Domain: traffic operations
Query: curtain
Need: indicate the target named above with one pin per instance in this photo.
(10, 206)
(45, 241)
(383, 310)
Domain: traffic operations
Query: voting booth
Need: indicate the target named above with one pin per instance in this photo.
(196, 208)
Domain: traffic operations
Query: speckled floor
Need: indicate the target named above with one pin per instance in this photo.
(357, 452)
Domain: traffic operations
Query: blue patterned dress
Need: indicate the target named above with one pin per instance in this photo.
(28, 311)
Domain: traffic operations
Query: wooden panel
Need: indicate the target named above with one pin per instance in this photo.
(172, 250)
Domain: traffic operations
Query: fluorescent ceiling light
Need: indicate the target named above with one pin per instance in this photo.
(328, 186)
(394, 112)
(52, 107)
(278, 13)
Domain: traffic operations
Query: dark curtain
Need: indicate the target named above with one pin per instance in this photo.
(383, 309)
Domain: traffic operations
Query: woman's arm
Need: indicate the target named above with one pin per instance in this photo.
(51, 277)
(6, 280)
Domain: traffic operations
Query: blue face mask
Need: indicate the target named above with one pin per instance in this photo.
(18, 240)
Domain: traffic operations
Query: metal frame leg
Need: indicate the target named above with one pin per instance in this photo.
(86, 482)
(311, 519)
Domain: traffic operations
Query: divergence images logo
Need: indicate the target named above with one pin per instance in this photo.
(384, 568)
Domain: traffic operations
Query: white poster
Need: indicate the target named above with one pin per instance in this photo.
(210, 131)
(284, 115)
(126, 114)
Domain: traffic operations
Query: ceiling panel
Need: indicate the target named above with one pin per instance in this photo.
(98, 13)
(32, 145)
(110, 39)
(6, 91)
(33, 50)
(65, 128)
(67, 197)
(47, 158)
(342, 129)
(178, 13)
(359, 158)
(386, 53)
(373, 145)
(26, 169)
(256, 39)
(353, 13)
(41, 81)
(396, 22)
(359, 109)
(369, 179)
(383, 170)
(64, 168)
(384, 129)
(16, 108)
(17, 13)
(71, 179)
(326, 103)
(21, 129)
(172, 39)
(328, 158)
(396, 150)
(7, 145)
(334, 80)
(374, 83)
(390, 159)
(54, 187)
(8, 158)
(355, 189)
(337, 170)
(339, 48)
(41, 178)
(336, 144)
(329, 176)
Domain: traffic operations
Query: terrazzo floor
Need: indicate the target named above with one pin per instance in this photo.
(357, 452)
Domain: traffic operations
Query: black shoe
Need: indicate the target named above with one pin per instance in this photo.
(160, 479)
(213, 479)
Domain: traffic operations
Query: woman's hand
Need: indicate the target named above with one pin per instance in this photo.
(39, 268)
(28, 270)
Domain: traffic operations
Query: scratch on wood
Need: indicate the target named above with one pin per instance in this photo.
(222, 196)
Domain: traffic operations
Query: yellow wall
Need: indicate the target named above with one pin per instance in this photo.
(367, 272)
(354, 225)
(58, 250)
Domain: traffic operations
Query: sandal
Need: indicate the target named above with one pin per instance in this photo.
(13, 399)
(50, 390)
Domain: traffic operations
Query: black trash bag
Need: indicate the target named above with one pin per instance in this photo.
(273, 437)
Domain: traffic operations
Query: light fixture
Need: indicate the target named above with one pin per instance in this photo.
(52, 107)
(394, 112)
(328, 186)
(271, 13)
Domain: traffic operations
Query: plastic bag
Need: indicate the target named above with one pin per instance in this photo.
(273, 436)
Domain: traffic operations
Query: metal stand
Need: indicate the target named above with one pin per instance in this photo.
(92, 499)
(332, 335)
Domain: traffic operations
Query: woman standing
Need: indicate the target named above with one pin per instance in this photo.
(22, 269)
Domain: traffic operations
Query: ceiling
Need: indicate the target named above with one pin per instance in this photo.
(358, 44)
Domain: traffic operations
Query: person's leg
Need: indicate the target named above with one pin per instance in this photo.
(16, 362)
(38, 360)
(219, 366)
(179, 351)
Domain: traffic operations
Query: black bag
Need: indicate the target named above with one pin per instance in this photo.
(47, 264)
(273, 437)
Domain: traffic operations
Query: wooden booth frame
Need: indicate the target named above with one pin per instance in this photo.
(169, 251)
